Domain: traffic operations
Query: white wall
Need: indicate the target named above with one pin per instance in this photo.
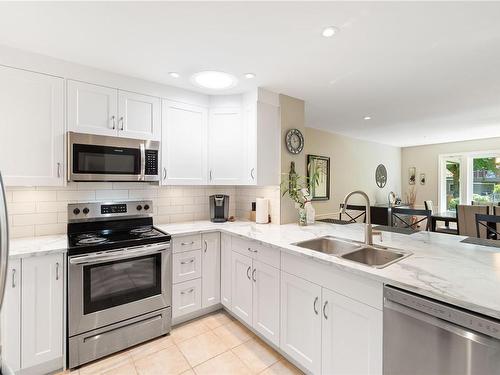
(352, 167)
(425, 159)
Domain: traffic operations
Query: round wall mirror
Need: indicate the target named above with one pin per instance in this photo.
(381, 176)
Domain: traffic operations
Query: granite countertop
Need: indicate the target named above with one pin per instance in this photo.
(441, 267)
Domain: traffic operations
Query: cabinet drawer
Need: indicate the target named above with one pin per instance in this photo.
(186, 243)
(258, 251)
(186, 266)
(186, 298)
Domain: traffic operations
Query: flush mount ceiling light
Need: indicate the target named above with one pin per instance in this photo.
(367, 118)
(211, 79)
(249, 75)
(329, 31)
(174, 74)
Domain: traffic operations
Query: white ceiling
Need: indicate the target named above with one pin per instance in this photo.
(425, 72)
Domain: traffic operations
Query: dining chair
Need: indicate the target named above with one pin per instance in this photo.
(429, 205)
(404, 217)
(466, 219)
(496, 211)
(355, 212)
(484, 229)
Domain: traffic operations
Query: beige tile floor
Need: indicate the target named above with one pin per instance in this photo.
(215, 344)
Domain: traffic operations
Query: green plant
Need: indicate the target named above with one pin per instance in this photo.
(496, 189)
(297, 187)
(481, 198)
(453, 203)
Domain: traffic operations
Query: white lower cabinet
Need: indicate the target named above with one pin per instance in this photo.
(11, 318)
(210, 269)
(266, 296)
(225, 270)
(186, 298)
(301, 321)
(42, 309)
(32, 315)
(351, 336)
(241, 286)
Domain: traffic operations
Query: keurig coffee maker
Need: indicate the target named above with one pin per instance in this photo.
(219, 208)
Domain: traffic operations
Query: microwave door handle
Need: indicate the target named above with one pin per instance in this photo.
(143, 162)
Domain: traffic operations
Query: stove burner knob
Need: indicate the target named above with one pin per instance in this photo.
(139, 207)
(86, 211)
(146, 207)
(76, 211)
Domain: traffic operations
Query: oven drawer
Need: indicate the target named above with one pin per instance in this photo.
(186, 298)
(101, 342)
(186, 266)
(186, 243)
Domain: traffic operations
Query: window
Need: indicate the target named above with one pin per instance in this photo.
(469, 177)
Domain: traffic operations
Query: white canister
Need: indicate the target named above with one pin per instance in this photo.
(262, 211)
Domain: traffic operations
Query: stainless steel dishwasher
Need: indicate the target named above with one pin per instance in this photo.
(425, 337)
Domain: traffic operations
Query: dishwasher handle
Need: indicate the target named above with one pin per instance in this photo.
(445, 316)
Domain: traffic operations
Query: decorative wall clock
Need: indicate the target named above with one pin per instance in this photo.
(294, 141)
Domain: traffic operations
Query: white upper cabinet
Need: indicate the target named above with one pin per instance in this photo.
(139, 116)
(227, 156)
(92, 109)
(100, 110)
(184, 144)
(32, 128)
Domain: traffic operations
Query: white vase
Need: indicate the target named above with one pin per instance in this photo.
(310, 213)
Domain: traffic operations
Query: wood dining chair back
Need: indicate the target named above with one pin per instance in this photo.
(410, 218)
(496, 211)
(354, 213)
(484, 229)
(466, 219)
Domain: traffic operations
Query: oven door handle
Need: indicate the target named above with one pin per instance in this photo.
(117, 255)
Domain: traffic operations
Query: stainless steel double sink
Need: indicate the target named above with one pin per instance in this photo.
(371, 255)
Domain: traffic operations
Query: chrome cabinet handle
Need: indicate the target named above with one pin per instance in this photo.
(188, 261)
(206, 246)
(253, 275)
(13, 278)
(113, 118)
(251, 173)
(121, 120)
(314, 305)
(248, 272)
(58, 170)
(164, 173)
(187, 291)
(187, 243)
(210, 175)
(253, 251)
(324, 309)
(57, 271)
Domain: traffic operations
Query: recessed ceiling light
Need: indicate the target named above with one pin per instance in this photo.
(249, 75)
(174, 74)
(215, 80)
(330, 31)
(367, 118)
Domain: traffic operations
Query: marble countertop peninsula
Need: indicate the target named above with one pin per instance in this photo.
(440, 267)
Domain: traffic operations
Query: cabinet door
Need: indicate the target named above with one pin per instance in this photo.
(300, 334)
(11, 317)
(32, 125)
(225, 270)
(186, 266)
(42, 309)
(241, 286)
(352, 336)
(266, 297)
(210, 266)
(227, 147)
(250, 119)
(186, 298)
(184, 144)
(138, 116)
(92, 109)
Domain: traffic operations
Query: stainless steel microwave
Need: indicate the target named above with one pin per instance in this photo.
(106, 158)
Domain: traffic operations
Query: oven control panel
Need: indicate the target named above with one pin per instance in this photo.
(114, 209)
(95, 210)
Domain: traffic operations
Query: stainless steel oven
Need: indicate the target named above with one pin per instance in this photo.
(117, 298)
(106, 158)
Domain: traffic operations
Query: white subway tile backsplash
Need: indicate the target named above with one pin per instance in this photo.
(43, 210)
